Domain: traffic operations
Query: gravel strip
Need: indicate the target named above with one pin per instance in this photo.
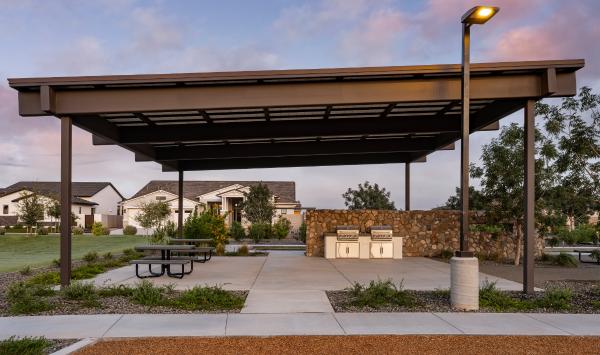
(408, 344)
(58, 344)
(585, 293)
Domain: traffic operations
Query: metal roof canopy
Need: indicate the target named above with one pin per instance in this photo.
(287, 118)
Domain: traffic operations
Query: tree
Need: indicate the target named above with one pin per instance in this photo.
(207, 224)
(573, 128)
(257, 205)
(476, 200)
(501, 176)
(31, 209)
(153, 214)
(53, 211)
(368, 196)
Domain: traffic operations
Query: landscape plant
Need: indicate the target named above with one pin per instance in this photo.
(77, 230)
(208, 298)
(30, 210)
(282, 227)
(258, 206)
(209, 225)
(153, 214)
(237, 231)
(379, 294)
(98, 229)
(25, 345)
(259, 231)
(129, 230)
(368, 197)
(302, 232)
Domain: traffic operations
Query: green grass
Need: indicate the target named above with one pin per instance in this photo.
(24, 346)
(18, 251)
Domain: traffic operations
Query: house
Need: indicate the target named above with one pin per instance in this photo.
(222, 196)
(92, 201)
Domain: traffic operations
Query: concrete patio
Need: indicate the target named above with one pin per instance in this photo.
(289, 282)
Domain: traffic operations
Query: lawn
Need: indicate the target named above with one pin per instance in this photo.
(17, 251)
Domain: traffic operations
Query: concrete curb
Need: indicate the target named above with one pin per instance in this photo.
(74, 347)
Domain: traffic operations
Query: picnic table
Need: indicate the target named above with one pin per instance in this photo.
(165, 260)
(190, 241)
(579, 251)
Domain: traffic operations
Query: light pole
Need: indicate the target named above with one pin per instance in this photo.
(464, 268)
(475, 16)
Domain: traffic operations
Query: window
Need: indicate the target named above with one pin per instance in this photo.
(187, 211)
(283, 211)
(79, 209)
(5, 209)
(93, 210)
(161, 198)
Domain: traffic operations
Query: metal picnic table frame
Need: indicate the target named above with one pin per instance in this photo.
(165, 254)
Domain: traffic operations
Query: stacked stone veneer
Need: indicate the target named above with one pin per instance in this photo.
(425, 233)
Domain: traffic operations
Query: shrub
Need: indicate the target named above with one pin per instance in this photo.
(27, 299)
(499, 301)
(146, 294)
(90, 257)
(56, 262)
(564, 259)
(87, 271)
(77, 231)
(45, 278)
(129, 230)
(595, 254)
(220, 250)
(107, 256)
(24, 346)
(130, 254)
(80, 291)
(98, 229)
(553, 242)
(237, 231)
(302, 232)
(446, 254)
(568, 237)
(380, 294)
(25, 270)
(207, 224)
(259, 231)
(243, 250)
(558, 299)
(208, 299)
(584, 233)
(42, 231)
(282, 227)
(159, 236)
(2, 231)
(115, 291)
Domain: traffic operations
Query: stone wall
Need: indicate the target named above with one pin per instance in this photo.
(425, 233)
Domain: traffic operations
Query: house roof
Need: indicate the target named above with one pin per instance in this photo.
(285, 190)
(52, 189)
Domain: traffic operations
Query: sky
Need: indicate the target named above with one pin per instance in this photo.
(69, 37)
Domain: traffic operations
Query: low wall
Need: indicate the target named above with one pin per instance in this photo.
(425, 233)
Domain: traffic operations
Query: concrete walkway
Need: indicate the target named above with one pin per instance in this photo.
(289, 282)
(151, 325)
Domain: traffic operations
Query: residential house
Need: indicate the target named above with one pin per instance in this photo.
(92, 201)
(225, 197)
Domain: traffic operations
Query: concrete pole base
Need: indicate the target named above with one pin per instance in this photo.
(464, 283)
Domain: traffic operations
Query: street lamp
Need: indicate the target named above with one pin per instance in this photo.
(464, 268)
(475, 16)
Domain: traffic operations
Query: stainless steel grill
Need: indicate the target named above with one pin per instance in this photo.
(381, 233)
(347, 233)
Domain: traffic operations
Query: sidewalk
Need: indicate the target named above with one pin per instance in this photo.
(150, 325)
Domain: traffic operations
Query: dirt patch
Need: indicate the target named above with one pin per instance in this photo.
(409, 344)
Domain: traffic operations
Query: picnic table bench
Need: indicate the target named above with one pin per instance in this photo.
(579, 252)
(206, 253)
(165, 261)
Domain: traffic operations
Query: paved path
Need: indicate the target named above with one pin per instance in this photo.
(150, 325)
(289, 282)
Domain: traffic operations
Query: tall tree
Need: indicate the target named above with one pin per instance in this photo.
(31, 209)
(257, 205)
(477, 200)
(573, 128)
(368, 197)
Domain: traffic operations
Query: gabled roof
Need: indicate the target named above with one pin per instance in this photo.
(52, 189)
(76, 200)
(285, 190)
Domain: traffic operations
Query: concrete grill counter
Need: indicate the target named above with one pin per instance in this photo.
(348, 244)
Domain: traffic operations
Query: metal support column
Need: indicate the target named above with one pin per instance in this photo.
(65, 200)
(529, 197)
(180, 206)
(407, 187)
(464, 144)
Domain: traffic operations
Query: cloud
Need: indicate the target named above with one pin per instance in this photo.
(154, 31)
(85, 56)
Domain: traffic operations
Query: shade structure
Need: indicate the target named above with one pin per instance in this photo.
(286, 118)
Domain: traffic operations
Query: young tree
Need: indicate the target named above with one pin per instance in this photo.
(574, 131)
(31, 209)
(53, 211)
(257, 206)
(476, 200)
(369, 197)
(153, 214)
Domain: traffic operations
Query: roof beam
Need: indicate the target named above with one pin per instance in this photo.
(294, 149)
(148, 99)
(286, 129)
(283, 162)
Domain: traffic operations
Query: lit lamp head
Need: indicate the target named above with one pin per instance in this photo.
(479, 15)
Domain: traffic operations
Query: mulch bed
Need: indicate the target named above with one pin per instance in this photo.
(391, 344)
(436, 301)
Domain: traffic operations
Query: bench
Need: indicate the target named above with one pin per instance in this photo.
(579, 252)
(165, 265)
(206, 252)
